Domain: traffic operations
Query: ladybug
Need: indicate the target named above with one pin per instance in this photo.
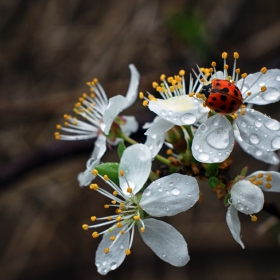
(222, 96)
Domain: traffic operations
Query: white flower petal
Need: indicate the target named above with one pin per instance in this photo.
(155, 142)
(272, 82)
(179, 110)
(159, 127)
(234, 224)
(267, 157)
(132, 92)
(115, 257)
(274, 182)
(213, 140)
(130, 126)
(218, 75)
(99, 147)
(136, 163)
(149, 124)
(166, 242)
(170, 195)
(115, 106)
(86, 177)
(246, 197)
(259, 130)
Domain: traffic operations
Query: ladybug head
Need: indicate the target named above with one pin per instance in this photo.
(206, 89)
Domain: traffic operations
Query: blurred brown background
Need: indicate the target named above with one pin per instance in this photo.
(48, 50)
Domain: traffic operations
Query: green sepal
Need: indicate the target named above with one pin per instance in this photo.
(244, 171)
(121, 148)
(212, 169)
(227, 197)
(213, 182)
(111, 169)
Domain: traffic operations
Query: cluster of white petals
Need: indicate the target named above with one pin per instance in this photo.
(166, 196)
(247, 197)
(214, 138)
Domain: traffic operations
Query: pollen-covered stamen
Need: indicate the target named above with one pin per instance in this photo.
(254, 218)
(236, 56)
(224, 56)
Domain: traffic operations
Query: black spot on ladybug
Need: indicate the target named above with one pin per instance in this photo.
(211, 104)
(236, 92)
(214, 98)
(218, 84)
(233, 102)
(224, 90)
(223, 107)
(231, 109)
(223, 98)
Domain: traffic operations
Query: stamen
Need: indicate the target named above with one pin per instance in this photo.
(268, 185)
(85, 226)
(263, 88)
(106, 206)
(106, 250)
(254, 218)
(127, 252)
(93, 218)
(93, 187)
(95, 234)
(94, 172)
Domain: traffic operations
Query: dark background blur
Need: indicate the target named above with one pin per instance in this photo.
(48, 50)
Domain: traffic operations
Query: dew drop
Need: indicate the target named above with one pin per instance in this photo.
(277, 78)
(271, 94)
(188, 118)
(247, 208)
(104, 263)
(196, 146)
(167, 192)
(239, 206)
(105, 270)
(97, 264)
(244, 124)
(147, 192)
(215, 159)
(171, 184)
(166, 208)
(215, 123)
(170, 112)
(254, 139)
(272, 124)
(163, 113)
(276, 143)
(258, 124)
(163, 255)
(189, 195)
(121, 246)
(160, 189)
(258, 153)
(175, 191)
(203, 127)
(203, 157)
(218, 138)
(113, 265)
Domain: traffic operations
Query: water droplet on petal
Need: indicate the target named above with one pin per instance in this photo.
(97, 264)
(166, 208)
(171, 184)
(167, 192)
(104, 263)
(218, 138)
(163, 113)
(175, 191)
(239, 206)
(188, 118)
(121, 246)
(271, 94)
(254, 139)
(196, 146)
(277, 78)
(215, 123)
(276, 143)
(163, 255)
(272, 124)
(203, 157)
(147, 192)
(244, 124)
(203, 127)
(113, 265)
(215, 159)
(247, 208)
(258, 123)
(105, 270)
(160, 189)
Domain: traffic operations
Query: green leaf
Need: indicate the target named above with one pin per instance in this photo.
(212, 169)
(226, 200)
(111, 169)
(121, 148)
(213, 182)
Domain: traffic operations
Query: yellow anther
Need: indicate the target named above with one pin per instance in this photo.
(95, 234)
(93, 187)
(162, 77)
(81, 99)
(127, 252)
(141, 95)
(92, 95)
(115, 193)
(170, 79)
(169, 152)
(182, 72)
(226, 66)
(249, 93)
(237, 70)
(172, 88)
(94, 172)
(244, 75)
(213, 64)
(142, 229)
(84, 95)
(254, 218)
(106, 178)
(129, 190)
(243, 106)
(95, 80)
(121, 172)
(178, 79)
(155, 84)
(191, 94)
(92, 83)
(260, 182)
(236, 55)
(159, 89)
(109, 218)
(136, 218)
(85, 226)
(263, 70)
(268, 185)
(253, 179)
(88, 83)
(121, 205)
(234, 116)
(113, 201)
(260, 175)
(145, 103)
(242, 112)
(118, 218)
(119, 224)
(106, 206)
(75, 122)
(224, 55)
(204, 104)
(255, 183)
(122, 231)
(118, 211)
(57, 136)
(263, 88)
(112, 237)
(58, 126)
(151, 97)
(106, 250)
(78, 104)
(93, 218)
(268, 177)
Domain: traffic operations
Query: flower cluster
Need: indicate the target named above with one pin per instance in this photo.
(199, 124)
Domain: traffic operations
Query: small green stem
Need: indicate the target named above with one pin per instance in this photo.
(189, 131)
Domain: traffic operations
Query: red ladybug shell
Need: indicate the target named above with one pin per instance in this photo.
(222, 96)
